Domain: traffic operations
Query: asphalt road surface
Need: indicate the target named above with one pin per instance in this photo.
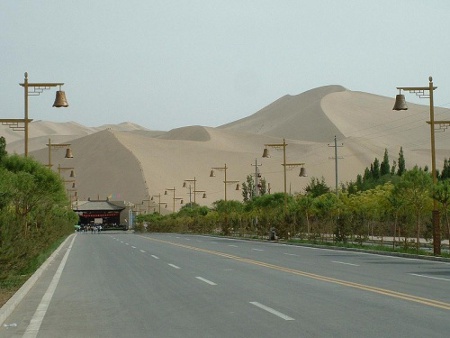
(167, 285)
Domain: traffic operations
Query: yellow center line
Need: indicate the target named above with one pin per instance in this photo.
(386, 292)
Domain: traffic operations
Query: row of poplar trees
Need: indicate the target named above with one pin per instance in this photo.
(387, 200)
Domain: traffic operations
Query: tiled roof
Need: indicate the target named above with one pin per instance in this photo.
(96, 206)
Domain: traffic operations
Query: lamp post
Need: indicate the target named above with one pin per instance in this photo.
(193, 192)
(190, 191)
(400, 104)
(70, 180)
(148, 204)
(36, 90)
(173, 198)
(72, 170)
(159, 202)
(284, 164)
(51, 145)
(225, 181)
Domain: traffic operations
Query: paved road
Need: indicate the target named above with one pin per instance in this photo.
(167, 285)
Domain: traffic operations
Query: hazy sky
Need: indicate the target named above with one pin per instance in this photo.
(167, 64)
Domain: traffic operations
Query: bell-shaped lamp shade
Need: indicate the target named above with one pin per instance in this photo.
(165, 192)
(303, 172)
(237, 186)
(69, 153)
(212, 173)
(181, 202)
(400, 103)
(184, 184)
(72, 173)
(204, 195)
(266, 153)
(60, 100)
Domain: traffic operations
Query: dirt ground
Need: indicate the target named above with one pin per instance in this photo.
(5, 295)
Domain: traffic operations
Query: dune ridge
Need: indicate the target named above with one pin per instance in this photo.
(132, 163)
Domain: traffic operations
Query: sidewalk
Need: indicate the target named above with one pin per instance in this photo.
(11, 323)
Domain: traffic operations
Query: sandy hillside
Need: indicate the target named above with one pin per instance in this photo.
(128, 162)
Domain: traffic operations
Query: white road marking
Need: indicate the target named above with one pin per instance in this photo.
(234, 246)
(430, 277)
(344, 263)
(143, 251)
(272, 311)
(35, 323)
(127, 244)
(155, 257)
(133, 247)
(257, 249)
(206, 281)
(290, 254)
(174, 266)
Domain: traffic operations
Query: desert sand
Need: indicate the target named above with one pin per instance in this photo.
(129, 162)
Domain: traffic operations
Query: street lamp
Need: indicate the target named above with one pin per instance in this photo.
(284, 164)
(400, 104)
(70, 180)
(159, 202)
(174, 198)
(51, 145)
(36, 90)
(148, 204)
(225, 181)
(195, 191)
(72, 170)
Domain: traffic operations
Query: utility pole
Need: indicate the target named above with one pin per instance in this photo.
(336, 158)
(255, 188)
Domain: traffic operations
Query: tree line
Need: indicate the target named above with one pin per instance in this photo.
(35, 213)
(386, 200)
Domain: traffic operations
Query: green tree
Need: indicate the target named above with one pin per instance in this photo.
(385, 167)
(35, 213)
(441, 193)
(401, 163)
(316, 188)
(262, 186)
(393, 168)
(396, 203)
(306, 206)
(445, 174)
(375, 169)
(248, 188)
(326, 208)
(3, 151)
(415, 187)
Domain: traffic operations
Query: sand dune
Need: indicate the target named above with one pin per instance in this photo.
(295, 117)
(132, 163)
